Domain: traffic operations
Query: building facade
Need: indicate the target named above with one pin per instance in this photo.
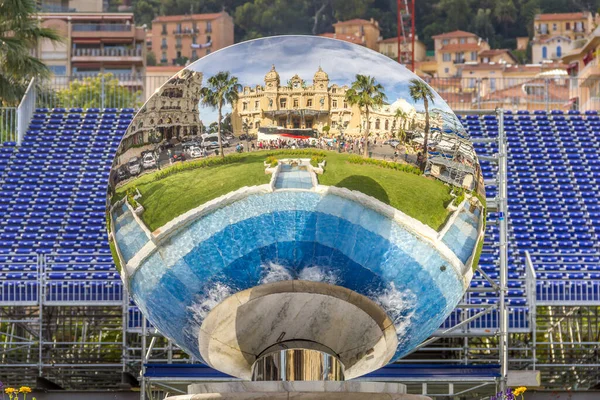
(358, 31)
(584, 71)
(94, 43)
(317, 105)
(555, 34)
(389, 47)
(178, 39)
(453, 49)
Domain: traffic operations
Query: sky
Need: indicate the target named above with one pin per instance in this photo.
(250, 61)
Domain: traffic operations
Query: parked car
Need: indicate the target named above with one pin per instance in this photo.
(195, 152)
(178, 156)
(122, 173)
(394, 143)
(134, 166)
(149, 161)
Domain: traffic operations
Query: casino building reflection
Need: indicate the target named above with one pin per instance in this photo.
(321, 106)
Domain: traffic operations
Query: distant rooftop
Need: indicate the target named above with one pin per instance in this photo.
(561, 16)
(189, 17)
(454, 34)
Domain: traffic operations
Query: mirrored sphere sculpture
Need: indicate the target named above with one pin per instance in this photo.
(296, 193)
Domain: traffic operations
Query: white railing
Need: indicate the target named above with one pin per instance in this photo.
(107, 52)
(25, 110)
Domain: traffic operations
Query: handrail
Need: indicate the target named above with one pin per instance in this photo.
(25, 110)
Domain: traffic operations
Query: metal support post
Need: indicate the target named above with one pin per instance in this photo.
(502, 211)
(144, 360)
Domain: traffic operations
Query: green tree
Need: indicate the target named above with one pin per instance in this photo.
(400, 115)
(103, 90)
(505, 12)
(483, 25)
(220, 89)
(366, 93)
(420, 91)
(151, 59)
(19, 33)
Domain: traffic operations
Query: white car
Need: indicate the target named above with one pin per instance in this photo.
(195, 152)
(149, 161)
(134, 166)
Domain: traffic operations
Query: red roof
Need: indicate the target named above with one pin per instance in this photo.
(485, 66)
(188, 17)
(560, 16)
(461, 47)
(355, 21)
(454, 34)
(389, 40)
(345, 38)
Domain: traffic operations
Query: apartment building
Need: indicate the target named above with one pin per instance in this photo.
(389, 47)
(178, 39)
(454, 49)
(95, 42)
(555, 34)
(357, 31)
(584, 69)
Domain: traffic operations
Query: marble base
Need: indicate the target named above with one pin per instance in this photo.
(314, 390)
(292, 314)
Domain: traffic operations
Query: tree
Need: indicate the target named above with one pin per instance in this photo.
(220, 89)
(19, 33)
(420, 91)
(103, 90)
(400, 114)
(151, 59)
(366, 93)
(482, 24)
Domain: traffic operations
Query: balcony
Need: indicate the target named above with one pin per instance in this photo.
(459, 61)
(186, 31)
(163, 46)
(208, 30)
(178, 45)
(106, 54)
(590, 73)
(102, 30)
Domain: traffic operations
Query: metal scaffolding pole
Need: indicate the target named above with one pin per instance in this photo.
(502, 215)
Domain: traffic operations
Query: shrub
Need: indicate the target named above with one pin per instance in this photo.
(298, 152)
(460, 196)
(272, 161)
(354, 159)
(316, 160)
(190, 165)
(130, 198)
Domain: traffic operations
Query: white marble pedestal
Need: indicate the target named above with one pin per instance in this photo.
(299, 390)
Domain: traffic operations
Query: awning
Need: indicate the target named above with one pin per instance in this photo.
(86, 41)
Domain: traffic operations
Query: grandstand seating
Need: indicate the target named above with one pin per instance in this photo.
(52, 199)
(52, 204)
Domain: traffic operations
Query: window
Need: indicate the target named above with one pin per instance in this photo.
(568, 26)
(544, 52)
(164, 29)
(244, 106)
(194, 39)
(334, 104)
(163, 57)
(194, 54)
(208, 27)
(387, 124)
(333, 90)
(256, 105)
(207, 51)
(58, 70)
(345, 104)
(558, 52)
(462, 40)
(295, 103)
(333, 124)
(282, 102)
(445, 42)
(446, 70)
(472, 82)
(473, 56)
(178, 27)
(492, 83)
(163, 44)
(554, 27)
(446, 57)
(178, 41)
(257, 124)
(377, 124)
(309, 103)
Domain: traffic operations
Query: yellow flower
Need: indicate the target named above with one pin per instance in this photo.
(24, 389)
(10, 390)
(519, 391)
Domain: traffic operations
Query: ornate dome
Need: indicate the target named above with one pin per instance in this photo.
(272, 75)
(320, 75)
